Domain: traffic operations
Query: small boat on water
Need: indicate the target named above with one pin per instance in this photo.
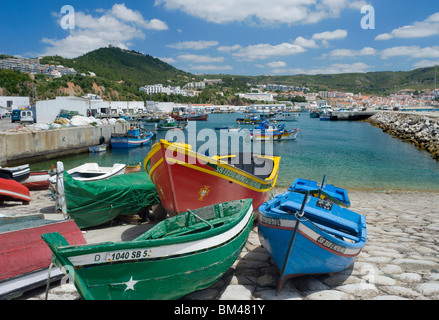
(169, 124)
(285, 116)
(229, 129)
(335, 194)
(177, 256)
(11, 190)
(93, 172)
(99, 148)
(19, 173)
(275, 132)
(191, 117)
(132, 168)
(132, 139)
(308, 235)
(189, 180)
(24, 256)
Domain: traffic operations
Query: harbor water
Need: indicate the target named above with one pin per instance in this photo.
(352, 155)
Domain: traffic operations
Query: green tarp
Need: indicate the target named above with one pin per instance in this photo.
(95, 202)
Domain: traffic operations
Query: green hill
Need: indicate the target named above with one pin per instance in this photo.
(116, 64)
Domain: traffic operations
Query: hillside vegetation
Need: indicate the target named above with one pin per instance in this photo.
(120, 73)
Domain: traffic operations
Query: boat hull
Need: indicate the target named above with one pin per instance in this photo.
(314, 250)
(19, 173)
(143, 270)
(38, 180)
(23, 251)
(287, 135)
(187, 180)
(11, 190)
(124, 143)
(99, 148)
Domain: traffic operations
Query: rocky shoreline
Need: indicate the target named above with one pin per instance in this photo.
(420, 129)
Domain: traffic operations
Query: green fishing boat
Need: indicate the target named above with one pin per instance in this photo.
(180, 255)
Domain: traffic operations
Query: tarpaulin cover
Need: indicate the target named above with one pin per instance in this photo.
(95, 202)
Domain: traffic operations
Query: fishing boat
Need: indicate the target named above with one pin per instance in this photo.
(24, 256)
(94, 203)
(93, 172)
(132, 168)
(285, 116)
(99, 148)
(275, 132)
(251, 119)
(38, 180)
(189, 180)
(229, 129)
(169, 124)
(19, 173)
(324, 191)
(191, 117)
(132, 139)
(177, 256)
(11, 190)
(307, 235)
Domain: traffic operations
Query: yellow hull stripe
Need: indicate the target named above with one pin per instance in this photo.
(182, 163)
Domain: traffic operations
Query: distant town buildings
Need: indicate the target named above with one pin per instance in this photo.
(33, 66)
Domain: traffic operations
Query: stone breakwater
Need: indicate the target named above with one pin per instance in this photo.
(419, 129)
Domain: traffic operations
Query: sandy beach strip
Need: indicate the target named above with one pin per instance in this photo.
(400, 259)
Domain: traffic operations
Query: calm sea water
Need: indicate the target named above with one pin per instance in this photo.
(352, 155)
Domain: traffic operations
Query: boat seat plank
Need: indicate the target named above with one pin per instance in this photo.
(324, 218)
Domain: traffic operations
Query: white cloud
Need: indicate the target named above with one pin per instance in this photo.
(331, 35)
(199, 58)
(117, 26)
(210, 67)
(347, 53)
(229, 48)
(168, 60)
(426, 64)
(194, 45)
(263, 11)
(264, 51)
(411, 51)
(277, 64)
(338, 68)
(427, 28)
(305, 43)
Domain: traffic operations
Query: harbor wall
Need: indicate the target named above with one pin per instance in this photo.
(421, 129)
(31, 146)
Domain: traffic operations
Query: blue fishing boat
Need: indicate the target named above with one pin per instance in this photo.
(133, 138)
(335, 194)
(307, 235)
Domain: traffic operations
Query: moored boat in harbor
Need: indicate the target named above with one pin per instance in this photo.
(133, 138)
(11, 190)
(177, 256)
(19, 173)
(188, 180)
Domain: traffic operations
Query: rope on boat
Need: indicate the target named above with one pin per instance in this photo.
(48, 281)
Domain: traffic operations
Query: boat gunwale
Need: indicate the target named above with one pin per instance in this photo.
(79, 250)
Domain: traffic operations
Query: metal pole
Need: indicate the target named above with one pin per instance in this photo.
(287, 256)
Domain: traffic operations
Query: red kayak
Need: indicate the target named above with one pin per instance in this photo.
(11, 190)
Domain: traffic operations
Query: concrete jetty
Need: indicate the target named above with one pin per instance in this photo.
(24, 144)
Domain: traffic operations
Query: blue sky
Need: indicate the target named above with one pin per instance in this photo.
(245, 37)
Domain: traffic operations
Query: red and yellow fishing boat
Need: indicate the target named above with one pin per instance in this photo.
(186, 180)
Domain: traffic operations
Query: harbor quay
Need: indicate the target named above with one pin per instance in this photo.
(400, 260)
(22, 145)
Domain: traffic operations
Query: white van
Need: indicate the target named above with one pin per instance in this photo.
(26, 116)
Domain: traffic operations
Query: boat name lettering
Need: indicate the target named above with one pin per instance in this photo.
(124, 255)
(237, 176)
(330, 245)
(270, 221)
